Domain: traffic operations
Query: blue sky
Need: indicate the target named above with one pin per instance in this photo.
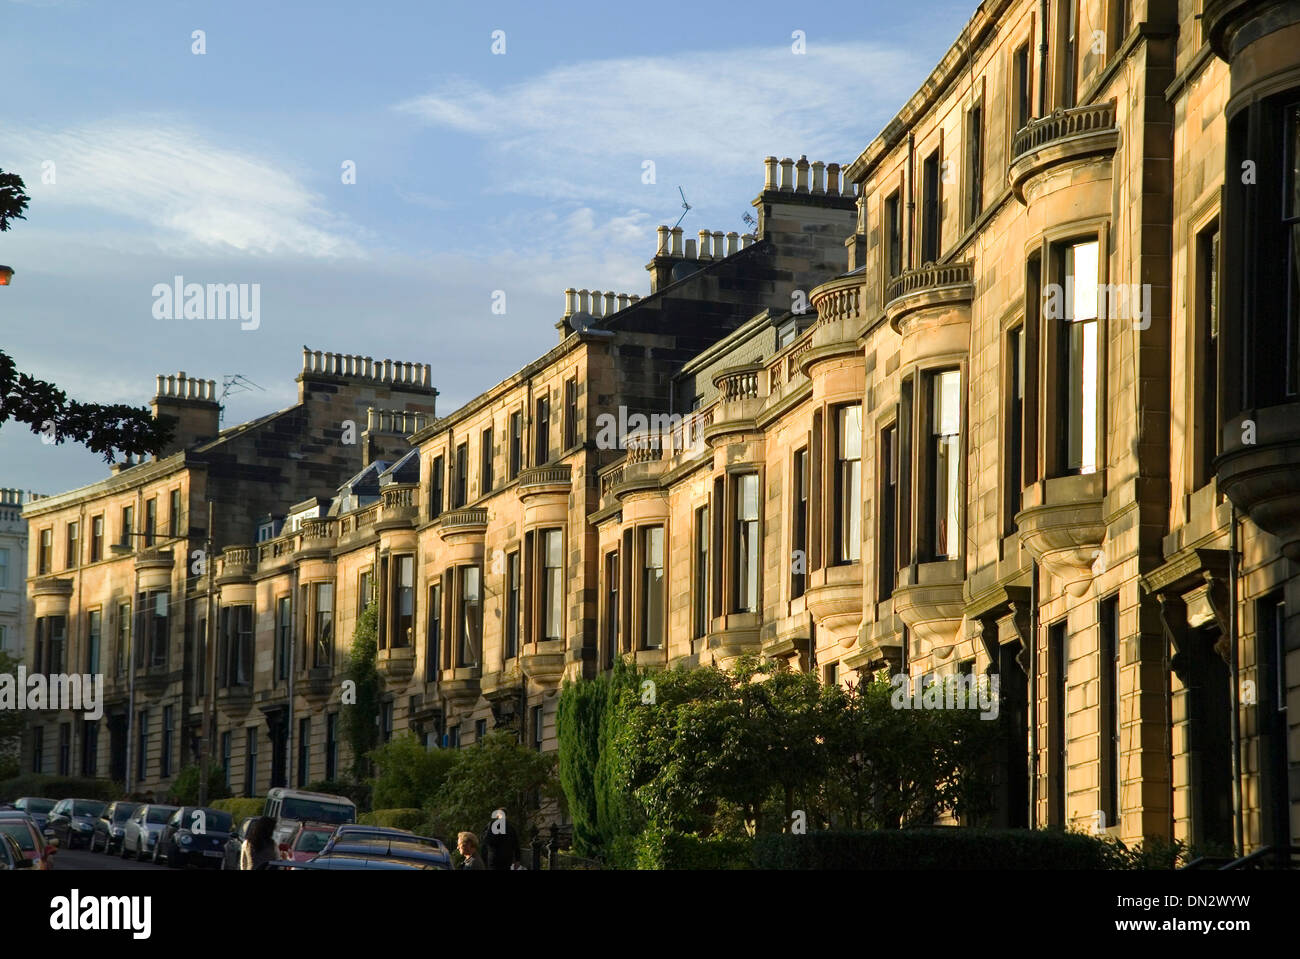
(475, 172)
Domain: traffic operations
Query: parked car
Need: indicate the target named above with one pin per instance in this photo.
(142, 830)
(73, 821)
(308, 840)
(291, 807)
(235, 844)
(357, 831)
(346, 862)
(419, 852)
(107, 836)
(38, 807)
(11, 857)
(37, 849)
(194, 836)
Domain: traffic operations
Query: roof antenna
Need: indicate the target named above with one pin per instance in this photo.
(686, 208)
(235, 383)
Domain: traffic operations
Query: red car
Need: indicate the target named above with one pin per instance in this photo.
(307, 841)
(35, 847)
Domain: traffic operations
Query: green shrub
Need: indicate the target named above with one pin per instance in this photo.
(409, 775)
(185, 787)
(938, 848)
(360, 727)
(665, 849)
(59, 787)
(240, 807)
(395, 818)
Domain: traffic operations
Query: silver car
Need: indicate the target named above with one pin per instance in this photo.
(140, 835)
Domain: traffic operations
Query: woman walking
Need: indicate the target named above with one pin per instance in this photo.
(259, 844)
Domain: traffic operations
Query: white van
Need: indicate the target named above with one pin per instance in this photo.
(289, 807)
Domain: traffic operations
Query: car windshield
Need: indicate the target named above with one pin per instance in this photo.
(159, 814)
(21, 833)
(313, 840)
(122, 811)
(38, 805)
(316, 810)
(88, 807)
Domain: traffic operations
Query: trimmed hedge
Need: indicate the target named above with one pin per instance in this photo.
(59, 787)
(666, 849)
(938, 848)
(240, 808)
(394, 818)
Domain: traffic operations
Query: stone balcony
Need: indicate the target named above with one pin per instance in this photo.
(834, 597)
(740, 398)
(1073, 136)
(399, 507)
(934, 288)
(396, 663)
(316, 683)
(1062, 524)
(235, 700)
(555, 480)
(543, 662)
(928, 599)
(1262, 478)
(461, 525)
(503, 684)
(238, 563)
(840, 317)
(461, 685)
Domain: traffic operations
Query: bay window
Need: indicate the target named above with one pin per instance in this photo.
(1078, 355)
(470, 616)
(652, 587)
(944, 464)
(552, 568)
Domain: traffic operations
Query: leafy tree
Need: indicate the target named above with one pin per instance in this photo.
(497, 772)
(409, 776)
(107, 429)
(12, 721)
(361, 717)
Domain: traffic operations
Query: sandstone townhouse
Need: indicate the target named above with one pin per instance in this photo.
(1016, 391)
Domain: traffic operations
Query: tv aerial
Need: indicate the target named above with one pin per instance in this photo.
(686, 208)
(233, 383)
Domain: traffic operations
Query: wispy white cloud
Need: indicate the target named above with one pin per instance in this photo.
(585, 129)
(181, 187)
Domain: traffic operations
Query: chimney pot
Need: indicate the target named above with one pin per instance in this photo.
(733, 242)
(584, 301)
(787, 178)
(677, 241)
(570, 302)
(801, 175)
(769, 173)
(690, 249)
(663, 234)
(609, 303)
(833, 179)
(622, 301)
(818, 169)
(595, 302)
(704, 244)
(717, 245)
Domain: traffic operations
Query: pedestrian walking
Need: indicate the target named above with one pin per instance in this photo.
(259, 844)
(500, 844)
(467, 844)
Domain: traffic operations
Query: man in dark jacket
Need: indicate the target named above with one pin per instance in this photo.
(500, 843)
